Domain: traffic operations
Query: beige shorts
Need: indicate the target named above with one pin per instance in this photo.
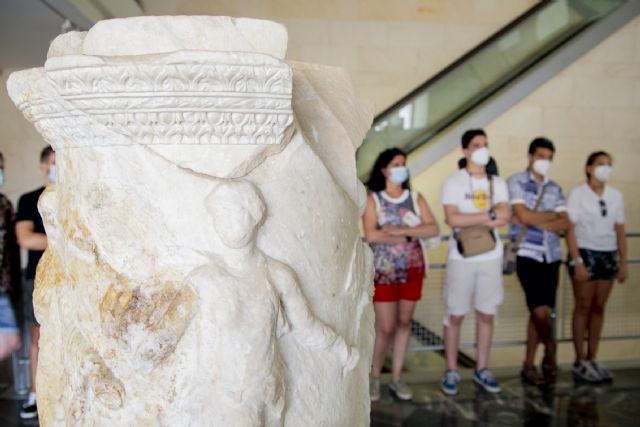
(467, 279)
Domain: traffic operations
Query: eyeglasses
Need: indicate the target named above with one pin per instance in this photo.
(603, 207)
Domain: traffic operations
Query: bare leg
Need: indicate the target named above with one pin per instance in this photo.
(33, 355)
(596, 320)
(8, 344)
(401, 339)
(532, 342)
(541, 318)
(452, 340)
(583, 293)
(386, 315)
(484, 333)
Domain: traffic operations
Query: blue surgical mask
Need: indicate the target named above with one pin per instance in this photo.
(399, 174)
(52, 174)
(1, 177)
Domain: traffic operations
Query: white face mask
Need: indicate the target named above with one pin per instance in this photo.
(542, 166)
(602, 172)
(399, 174)
(481, 156)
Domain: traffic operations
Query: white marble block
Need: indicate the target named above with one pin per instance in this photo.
(204, 265)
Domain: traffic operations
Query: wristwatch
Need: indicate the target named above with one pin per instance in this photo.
(408, 238)
(575, 261)
(492, 214)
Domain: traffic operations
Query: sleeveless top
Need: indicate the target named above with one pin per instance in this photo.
(393, 261)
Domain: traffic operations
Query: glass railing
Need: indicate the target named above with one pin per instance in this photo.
(475, 77)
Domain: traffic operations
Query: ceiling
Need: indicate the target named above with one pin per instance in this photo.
(28, 26)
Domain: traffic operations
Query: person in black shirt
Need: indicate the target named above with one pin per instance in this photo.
(31, 236)
(9, 275)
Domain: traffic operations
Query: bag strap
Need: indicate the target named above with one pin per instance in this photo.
(490, 177)
(414, 200)
(535, 208)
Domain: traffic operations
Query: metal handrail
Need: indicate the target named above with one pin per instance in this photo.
(557, 317)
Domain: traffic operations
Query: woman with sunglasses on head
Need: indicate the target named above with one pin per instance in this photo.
(394, 220)
(597, 256)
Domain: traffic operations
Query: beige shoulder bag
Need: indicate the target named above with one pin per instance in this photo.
(478, 239)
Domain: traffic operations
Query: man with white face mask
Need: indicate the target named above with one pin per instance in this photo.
(539, 206)
(473, 200)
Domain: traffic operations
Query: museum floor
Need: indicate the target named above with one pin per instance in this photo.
(566, 404)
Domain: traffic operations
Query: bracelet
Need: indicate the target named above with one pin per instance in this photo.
(575, 261)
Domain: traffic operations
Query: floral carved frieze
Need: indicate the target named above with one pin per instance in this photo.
(185, 98)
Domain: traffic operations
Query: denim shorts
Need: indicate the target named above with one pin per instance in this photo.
(8, 324)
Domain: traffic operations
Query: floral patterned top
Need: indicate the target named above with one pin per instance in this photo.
(393, 261)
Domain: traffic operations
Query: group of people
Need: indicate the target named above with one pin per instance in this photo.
(23, 229)
(476, 202)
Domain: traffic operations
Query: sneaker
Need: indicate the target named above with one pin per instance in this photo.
(485, 379)
(29, 409)
(605, 374)
(584, 371)
(401, 390)
(374, 389)
(529, 374)
(449, 385)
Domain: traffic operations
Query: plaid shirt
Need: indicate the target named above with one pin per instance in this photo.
(537, 244)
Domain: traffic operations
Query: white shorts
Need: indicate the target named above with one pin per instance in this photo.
(464, 279)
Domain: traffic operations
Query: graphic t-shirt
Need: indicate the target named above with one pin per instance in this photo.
(392, 262)
(471, 195)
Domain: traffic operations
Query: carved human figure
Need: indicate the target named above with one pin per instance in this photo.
(248, 301)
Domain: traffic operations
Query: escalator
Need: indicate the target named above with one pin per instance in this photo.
(488, 80)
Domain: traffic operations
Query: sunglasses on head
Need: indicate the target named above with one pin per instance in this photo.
(603, 207)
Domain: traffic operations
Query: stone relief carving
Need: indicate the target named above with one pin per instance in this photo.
(204, 263)
(202, 98)
(248, 301)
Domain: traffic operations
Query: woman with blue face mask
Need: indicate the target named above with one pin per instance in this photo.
(394, 220)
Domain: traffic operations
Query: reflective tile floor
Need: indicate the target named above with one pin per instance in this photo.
(566, 404)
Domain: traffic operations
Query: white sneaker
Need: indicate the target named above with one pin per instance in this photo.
(401, 390)
(29, 409)
(605, 374)
(584, 371)
(374, 389)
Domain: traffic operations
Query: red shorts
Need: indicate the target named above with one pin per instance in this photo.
(410, 291)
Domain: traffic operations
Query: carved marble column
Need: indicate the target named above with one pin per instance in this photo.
(204, 263)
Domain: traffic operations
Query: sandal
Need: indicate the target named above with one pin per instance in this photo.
(529, 373)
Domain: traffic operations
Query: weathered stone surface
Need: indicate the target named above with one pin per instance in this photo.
(162, 34)
(204, 263)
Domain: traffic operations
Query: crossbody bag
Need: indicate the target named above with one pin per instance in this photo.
(478, 239)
